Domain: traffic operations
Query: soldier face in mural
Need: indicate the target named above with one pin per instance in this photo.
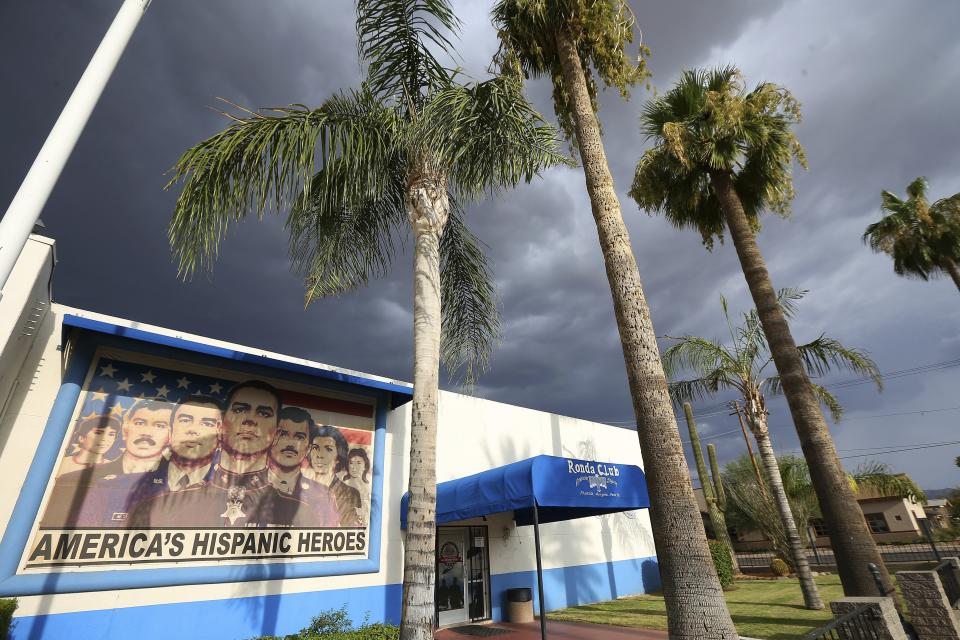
(196, 428)
(292, 443)
(146, 429)
(250, 420)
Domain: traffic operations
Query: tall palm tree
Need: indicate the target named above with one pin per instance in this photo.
(409, 147)
(572, 42)
(744, 365)
(721, 157)
(922, 238)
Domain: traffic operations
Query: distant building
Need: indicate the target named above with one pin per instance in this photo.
(890, 518)
(938, 512)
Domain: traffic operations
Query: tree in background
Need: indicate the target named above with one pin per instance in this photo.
(572, 42)
(403, 153)
(745, 366)
(922, 238)
(751, 509)
(712, 488)
(722, 156)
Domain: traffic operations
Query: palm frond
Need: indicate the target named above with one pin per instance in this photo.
(341, 246)
(879, 480)
(268, 159)
(470, 317)
(823, 355)
(707, 122)
(398, 40)
(486, 135)
(601, 32)
(698, 388)
(921, 238)
(698, 354)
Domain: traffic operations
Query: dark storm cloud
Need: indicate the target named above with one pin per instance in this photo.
(879, 103)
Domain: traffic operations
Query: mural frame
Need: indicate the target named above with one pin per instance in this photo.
(84, 343)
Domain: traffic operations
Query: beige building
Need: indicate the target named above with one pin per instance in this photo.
(891, 519)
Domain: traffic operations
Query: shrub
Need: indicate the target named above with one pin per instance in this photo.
(335, 624)
(722, 562)
(779, 567)
(7, 607)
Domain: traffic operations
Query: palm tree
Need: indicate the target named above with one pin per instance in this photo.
(410, 147)
(922, 238)
(751, 509)
(721, 157)
(572, 42)
(744, 366)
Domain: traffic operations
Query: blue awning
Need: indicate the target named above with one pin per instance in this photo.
(564, 489)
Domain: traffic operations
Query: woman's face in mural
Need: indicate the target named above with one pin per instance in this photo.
(357, 467)
(323, 455)
(98, 440)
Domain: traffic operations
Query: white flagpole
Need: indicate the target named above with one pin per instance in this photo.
(24, 210)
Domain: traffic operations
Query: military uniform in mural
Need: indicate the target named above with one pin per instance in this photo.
(228, 500)
(348, 503)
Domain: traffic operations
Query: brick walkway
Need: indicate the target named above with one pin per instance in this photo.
(561, 631)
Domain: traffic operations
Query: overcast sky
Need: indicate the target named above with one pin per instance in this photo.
(880, 88)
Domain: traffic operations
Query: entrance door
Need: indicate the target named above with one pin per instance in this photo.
(451, 578)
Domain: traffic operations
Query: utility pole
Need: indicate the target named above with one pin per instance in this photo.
(756, 469)
(24, 210)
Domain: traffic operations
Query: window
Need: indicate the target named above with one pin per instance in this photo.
(819, 527)
(897, 518)
(877, 523)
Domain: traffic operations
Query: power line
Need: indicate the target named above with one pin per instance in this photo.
(883, 453)
(720, 408)
(912, 444)
(904, 413)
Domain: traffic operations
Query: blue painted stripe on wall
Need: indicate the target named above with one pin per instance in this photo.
(234, 619)
(240, 618)
(581, 584)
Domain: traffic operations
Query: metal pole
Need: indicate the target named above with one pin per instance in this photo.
(925, 525)
(536, 544)
(24, 210)
(812, 534)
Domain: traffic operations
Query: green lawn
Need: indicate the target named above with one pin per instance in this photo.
(769, 609)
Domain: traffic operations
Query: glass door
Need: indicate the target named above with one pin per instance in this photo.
(451, 584)
(478, 574)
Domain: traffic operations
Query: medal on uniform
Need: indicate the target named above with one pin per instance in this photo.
(234, 509)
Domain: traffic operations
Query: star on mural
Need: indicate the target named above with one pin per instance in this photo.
(117, 409)
(216, 388)
(124, 385)
(99, 394)
(147, 376)
(183, 383)
(162, 391)
(108, 370)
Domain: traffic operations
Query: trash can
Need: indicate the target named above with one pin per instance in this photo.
(520, 605)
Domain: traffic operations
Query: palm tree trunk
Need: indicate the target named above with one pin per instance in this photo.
(758, 425)
(852, 543)
(951, 267)
(694, 599)
(428, 209)
(717, 520)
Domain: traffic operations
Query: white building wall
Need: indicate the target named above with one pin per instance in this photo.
(475, 435)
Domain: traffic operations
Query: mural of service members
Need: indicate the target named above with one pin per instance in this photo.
(209, 451)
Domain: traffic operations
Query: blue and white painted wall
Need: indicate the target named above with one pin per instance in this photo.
(585, 560)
